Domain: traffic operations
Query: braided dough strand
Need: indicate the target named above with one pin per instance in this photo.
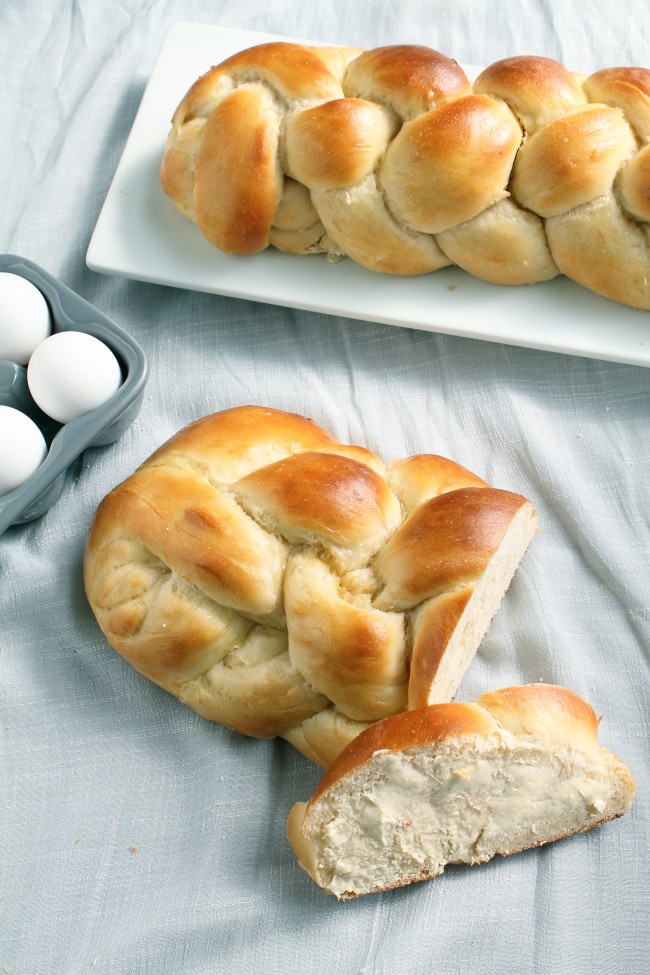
(392, 158)
(283, 583)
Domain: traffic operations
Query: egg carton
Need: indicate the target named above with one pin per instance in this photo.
(104, 425)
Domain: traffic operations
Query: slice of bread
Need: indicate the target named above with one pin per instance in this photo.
(457, 783)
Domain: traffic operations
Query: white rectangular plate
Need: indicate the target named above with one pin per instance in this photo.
(141, 235)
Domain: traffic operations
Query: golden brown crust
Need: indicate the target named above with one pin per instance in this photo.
(465, 150)
(239, 136)
(353, 653)
(549, 711)
(572, 160)
(538, 89)
(410, 78)
(346, 500)
(447, 542)
(234, 442)
(243, 567)
(433, 629)
(407, 730)
(627, 89)
(424, 476)
(406, 167)
(313, 136)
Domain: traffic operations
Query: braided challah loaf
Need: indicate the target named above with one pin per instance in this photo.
(458, 783)
(283, 583)
(391, 157)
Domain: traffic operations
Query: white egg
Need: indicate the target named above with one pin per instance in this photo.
(24, 317)
(72, 373)
(22, 448)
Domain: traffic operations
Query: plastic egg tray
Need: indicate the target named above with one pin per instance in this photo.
(67, 441)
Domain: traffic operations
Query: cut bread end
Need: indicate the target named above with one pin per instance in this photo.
(448, 629)
(452, 784)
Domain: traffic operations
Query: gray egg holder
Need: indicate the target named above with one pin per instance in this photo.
(101, 426)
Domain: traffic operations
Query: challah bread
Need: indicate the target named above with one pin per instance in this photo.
(283, 583)
(457, 783)
(392, 158)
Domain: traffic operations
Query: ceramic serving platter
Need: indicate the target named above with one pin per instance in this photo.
(140, 235)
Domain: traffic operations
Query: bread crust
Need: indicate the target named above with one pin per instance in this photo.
(406, 167)
(542, 704)
(410, 729)
(243, 568)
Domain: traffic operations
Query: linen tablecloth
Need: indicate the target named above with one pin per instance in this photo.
(137, 838)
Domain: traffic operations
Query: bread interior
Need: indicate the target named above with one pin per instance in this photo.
(405, 815)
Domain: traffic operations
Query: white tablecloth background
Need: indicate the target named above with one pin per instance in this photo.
(138, 839)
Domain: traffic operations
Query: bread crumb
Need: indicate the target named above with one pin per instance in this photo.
(451, 287)
(133, 849)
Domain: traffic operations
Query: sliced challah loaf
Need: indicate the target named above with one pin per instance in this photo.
(457, 783)
(283, 583)
(392, 158)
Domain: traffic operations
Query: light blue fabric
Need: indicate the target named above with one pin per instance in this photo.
(138, 839)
